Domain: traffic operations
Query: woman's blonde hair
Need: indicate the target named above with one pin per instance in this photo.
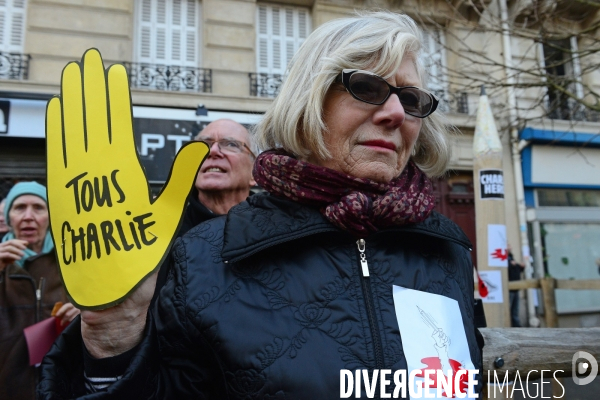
(374, 41)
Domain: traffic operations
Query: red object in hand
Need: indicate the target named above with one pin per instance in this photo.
(40, 338)
(59, 326)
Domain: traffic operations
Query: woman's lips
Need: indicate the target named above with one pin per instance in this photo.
(381, 144)
(28, 231)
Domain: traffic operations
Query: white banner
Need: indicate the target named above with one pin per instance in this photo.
(434, 340)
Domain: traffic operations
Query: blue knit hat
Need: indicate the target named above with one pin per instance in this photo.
(21, 189)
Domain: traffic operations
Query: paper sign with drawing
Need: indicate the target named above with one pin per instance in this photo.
(433, 337)
(110, 233)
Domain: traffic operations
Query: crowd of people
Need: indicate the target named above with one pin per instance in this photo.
(30, 279)
(268, 295)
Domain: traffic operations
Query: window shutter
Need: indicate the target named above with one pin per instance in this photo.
(289, 51)
(176, 32)
(303, 23)
(290, 47)
(280, 32)
(161, 31)
(262, 20)
(168, 32)
(433, 59)
(191, 32)
(2, 24)
(12, 25)
(263, 54)
(262, 47)
(145, 39)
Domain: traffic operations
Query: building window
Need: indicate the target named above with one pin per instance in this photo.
(12, 25)
(166, 47)
(167, 32)
(280, 32)
(568, 198)
(562, 73)
(13, 63)
(434, 59)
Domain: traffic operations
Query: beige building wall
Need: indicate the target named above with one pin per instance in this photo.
(59, 31)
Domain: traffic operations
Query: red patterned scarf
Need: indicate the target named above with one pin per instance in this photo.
(358, 205)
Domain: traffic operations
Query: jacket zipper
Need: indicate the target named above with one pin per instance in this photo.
(38, 298)
(366, 286)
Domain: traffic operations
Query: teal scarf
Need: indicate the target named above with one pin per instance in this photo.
(46, 248)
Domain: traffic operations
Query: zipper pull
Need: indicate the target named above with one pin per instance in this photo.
(38, 291)
(363, 258)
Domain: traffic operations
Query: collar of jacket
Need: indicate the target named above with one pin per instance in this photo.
(265, 221)
(199, 210)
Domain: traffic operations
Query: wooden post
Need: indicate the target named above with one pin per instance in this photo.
(548, 287)
(527, 349)
(489, 214)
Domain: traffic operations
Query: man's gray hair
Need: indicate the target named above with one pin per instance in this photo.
(249, 135)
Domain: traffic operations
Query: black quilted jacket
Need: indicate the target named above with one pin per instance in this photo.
(271, 303)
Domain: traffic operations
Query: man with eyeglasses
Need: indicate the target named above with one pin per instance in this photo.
(225, 177)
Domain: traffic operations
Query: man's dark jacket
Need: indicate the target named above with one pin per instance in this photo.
(270, 303)
(195, 213)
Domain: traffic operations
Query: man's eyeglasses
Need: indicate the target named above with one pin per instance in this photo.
(373, 89)
(230, 146)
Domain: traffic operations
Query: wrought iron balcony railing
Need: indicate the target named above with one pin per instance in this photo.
(14, 66)
(571, 110)
(169, 77)
(452, 102)
(265, 85)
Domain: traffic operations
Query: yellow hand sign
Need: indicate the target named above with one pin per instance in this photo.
(108, 231)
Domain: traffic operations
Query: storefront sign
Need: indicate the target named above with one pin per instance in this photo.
(159, 132)
(22, 118)
(4, 115)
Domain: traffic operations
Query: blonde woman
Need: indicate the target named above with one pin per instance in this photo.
(296, 285)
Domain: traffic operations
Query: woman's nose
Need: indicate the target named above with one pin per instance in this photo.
(28, 214)
(391, 113)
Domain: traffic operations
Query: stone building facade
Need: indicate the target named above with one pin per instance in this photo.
(193, 61)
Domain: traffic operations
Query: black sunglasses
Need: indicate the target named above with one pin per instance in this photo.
(373, 89)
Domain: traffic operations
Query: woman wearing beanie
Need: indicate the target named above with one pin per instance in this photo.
(30, 286)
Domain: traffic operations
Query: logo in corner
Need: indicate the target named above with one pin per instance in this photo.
(590, 364)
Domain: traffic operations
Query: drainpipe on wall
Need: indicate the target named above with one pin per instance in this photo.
(516, 148)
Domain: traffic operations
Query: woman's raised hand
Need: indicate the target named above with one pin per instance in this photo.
(109, 232)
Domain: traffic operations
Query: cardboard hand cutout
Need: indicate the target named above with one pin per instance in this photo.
(109, 233)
